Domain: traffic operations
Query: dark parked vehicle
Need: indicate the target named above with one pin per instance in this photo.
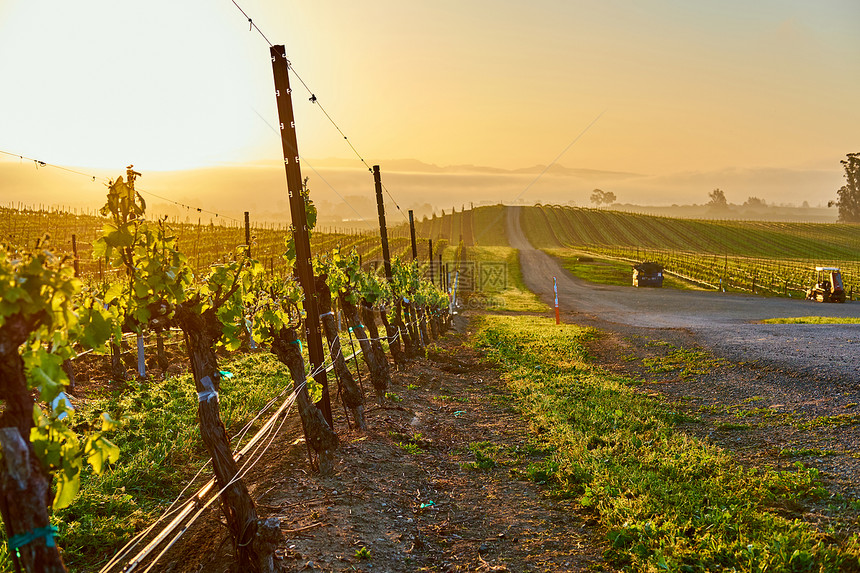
(648, 274)
(828, 286)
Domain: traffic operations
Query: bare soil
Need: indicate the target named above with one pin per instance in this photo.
(407, 494)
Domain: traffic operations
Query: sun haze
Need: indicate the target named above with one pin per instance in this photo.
(689, 95)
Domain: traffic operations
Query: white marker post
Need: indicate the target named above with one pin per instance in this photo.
(454, 293)
(141, 361)
(555, 288)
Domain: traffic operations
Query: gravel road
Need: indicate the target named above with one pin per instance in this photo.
(793, 387)
(722, 322)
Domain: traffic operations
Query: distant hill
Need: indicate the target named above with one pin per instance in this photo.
(561, 226)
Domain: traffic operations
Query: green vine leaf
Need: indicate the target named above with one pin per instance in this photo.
(100, 451)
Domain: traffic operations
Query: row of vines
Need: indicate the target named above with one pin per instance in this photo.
(150, 283)
(454, 227)
(72, 234)
(747, 256)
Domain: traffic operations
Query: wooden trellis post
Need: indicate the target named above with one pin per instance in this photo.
(396, 324)
(248, 234)
(430, 258)
(412, 234)
(442, 284)
(304, 269)
(76, 262)
(383, 230)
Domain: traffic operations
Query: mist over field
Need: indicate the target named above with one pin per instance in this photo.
(345, 192)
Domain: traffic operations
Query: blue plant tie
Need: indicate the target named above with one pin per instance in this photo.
(297, 341)
(226, 375)
(23, 539)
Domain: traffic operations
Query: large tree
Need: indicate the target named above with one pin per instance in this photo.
(599, 197)
(755, 202)
(849, 194)
(717, 199)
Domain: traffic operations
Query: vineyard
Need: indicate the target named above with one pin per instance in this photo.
(118, 442)
(72, 234)
(80, 287)
(210, 394)
(747, 256)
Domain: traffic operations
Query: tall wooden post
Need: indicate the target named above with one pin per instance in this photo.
(75, 262)
(412, 234)
(430, 258)
(383, 231)
(304, 269)
(442, 283)
(248, 234)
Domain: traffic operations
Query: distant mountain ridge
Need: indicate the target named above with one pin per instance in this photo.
(418, 166)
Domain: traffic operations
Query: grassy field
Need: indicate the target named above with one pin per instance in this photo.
(608, 271)
(768, 258)
(508, 294)
(667, 501)
(812, 320)
(550, 226)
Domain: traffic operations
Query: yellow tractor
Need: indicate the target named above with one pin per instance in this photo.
(828, 286)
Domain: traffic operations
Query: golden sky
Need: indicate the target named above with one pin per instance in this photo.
(685, 88)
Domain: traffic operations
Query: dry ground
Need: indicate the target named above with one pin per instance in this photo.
(405, 496)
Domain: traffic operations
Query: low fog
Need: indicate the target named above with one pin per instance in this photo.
(345, 194)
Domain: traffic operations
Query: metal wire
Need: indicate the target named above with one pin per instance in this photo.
(315, 100)
(40, 163)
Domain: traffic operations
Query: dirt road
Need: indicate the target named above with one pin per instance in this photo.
(776, 393)
(723, 322)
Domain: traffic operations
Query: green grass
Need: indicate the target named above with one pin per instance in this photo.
(667, 501)
(596, 270)
(411, 444)
(485, 456)
(813, 320)
(607, 271)
(835, 420)
(393, 397)
(551, 226)
(161, 450)
(489, 226)
(683, 361)
(512, 295)
(409, 448)
(446, 398)
(490, 455)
